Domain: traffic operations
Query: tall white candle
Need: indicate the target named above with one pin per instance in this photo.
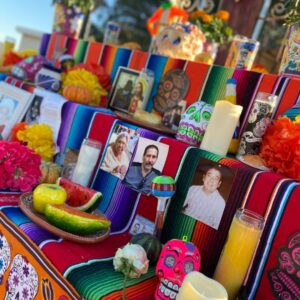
(197, 286)
(88, 156)
(221, 127)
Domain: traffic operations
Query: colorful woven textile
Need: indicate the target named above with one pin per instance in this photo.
(275, 271)
(208, 240)
(26, 272)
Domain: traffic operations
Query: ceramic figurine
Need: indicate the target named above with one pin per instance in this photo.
(177, 259)
(194, 122)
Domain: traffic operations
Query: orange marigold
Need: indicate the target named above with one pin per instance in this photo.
(197, 14)
(223, 15)
(207, 18)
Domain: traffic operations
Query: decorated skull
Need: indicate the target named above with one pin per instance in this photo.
(22, 282)
(194, 122)
(177, 259)
(183, 41)
(171, 90)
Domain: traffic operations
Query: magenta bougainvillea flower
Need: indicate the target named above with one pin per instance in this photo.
(19, 167)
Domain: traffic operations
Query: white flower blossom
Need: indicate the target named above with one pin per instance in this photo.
(131, 260)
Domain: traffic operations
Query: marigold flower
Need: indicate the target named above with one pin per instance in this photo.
(198, 14)
(223, 15)
(207, 18)
(17, 127)
(39, 138)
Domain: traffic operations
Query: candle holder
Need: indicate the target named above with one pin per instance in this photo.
(87, 159)
(243, 237)
(163, 188)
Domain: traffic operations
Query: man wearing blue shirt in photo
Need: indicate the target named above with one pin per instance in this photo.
(140, 175)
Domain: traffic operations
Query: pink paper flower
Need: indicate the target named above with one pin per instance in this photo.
(19, 167)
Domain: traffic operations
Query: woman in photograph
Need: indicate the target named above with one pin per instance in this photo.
(137, 98)
(116, 159)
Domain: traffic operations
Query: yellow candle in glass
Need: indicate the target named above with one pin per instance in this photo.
(242, 240)
(197, 286)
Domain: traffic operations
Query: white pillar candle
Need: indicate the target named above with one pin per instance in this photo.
(197, 286)
(221, 127)
(88, 156)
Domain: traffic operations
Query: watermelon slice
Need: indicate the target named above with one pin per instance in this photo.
(80, 197)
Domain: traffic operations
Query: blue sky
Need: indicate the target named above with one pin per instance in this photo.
(34, 14)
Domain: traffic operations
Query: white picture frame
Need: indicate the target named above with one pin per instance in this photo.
(14, 103)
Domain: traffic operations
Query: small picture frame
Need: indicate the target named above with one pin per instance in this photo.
(14, 103)
(172, 116)
(141, 225)
(123, 89)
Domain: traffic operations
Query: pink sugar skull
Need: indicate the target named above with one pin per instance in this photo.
(177, 259)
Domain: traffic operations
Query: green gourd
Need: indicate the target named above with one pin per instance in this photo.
(150, 243)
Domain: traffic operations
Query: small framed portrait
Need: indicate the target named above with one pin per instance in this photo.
(34, 111)
(207, 196)
(14, 103)
(172, 116)
(123, 89)
(119, 150)
(141, 225)
(148, 162)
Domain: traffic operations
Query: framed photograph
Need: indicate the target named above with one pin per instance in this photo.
(14, 103)
(148, 162)
(123, 89)
(207, 196)
(172, 116)
(119, 150)
(141, 225)
(46, 108)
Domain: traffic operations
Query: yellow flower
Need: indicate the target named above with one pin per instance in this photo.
(297, 120)
(207, 18)
(39, 138)
(223, 15)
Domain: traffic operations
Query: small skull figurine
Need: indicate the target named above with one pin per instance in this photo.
(177, 259)
(194, 122)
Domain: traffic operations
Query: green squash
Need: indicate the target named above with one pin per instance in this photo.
(150, 243)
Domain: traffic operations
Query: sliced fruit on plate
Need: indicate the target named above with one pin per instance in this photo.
(80, 197)
(47, 193)
(75, 221)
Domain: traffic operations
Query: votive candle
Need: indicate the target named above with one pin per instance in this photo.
(87, 159)
(221, 127)
(197, 286)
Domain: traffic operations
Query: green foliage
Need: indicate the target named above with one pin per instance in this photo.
(293, 12)
(214, 28)
(83, 5)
